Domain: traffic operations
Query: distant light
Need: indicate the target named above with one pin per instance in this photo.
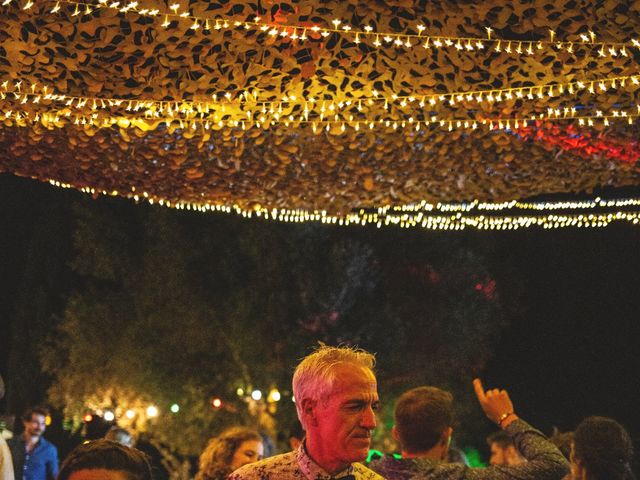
(175, 408)
(256, 395)
(152, 411)
(47, 420)
(109, 416)
(130, 414)
(240, 391)
(274, 395)
(293, 399)
(87, 418)
(216, 402)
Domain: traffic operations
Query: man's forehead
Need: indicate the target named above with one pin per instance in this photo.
(355, 380)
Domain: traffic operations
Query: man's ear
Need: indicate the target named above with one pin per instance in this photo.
(445, 438)
(309, 411)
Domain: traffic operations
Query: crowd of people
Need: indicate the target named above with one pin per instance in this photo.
(336, 400)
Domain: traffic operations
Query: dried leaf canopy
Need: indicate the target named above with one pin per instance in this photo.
(101, 54)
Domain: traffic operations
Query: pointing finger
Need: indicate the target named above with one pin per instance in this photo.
(479, 389)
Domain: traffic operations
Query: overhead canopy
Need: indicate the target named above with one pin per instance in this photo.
(320, 105)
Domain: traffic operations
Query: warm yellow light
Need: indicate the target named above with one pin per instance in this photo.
(152, 411)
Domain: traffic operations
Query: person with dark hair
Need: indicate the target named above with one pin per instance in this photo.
(105, 460)
(421, 417)
(423, 426)
(6, 464)
(34, 458)
(601, 450)
(503, 450)
(233, 448)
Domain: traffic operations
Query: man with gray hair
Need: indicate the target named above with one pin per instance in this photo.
(336, 398)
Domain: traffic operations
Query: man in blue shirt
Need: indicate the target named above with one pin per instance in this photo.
(34, 458)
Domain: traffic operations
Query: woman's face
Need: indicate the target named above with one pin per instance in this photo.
(249, 451)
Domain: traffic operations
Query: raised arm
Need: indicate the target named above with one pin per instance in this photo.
(544, 460)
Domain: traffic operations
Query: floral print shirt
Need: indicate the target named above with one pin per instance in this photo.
(299, 465)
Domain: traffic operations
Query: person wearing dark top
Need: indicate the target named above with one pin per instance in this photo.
(601, 450)
(423, 426)
(34, 458)
(105, 460)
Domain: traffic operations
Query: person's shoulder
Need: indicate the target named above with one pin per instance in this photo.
(282, 466)
(391, 467)
(362, 472)
(47, 445)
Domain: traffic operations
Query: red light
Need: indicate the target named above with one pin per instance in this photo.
(216, 402)
(87, 418)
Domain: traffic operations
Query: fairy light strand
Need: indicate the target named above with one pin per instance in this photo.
(417, 38)
(60, 118)
(38, 94)
(446, 217)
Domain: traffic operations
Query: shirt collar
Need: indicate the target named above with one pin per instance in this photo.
(312, 471)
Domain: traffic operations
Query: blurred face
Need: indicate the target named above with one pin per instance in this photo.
(340, 430)
(36, 426)
(497, 455)
(504, 456)
(249, 451)
(98, 474)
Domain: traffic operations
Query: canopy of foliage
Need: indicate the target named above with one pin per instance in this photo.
(294, 105)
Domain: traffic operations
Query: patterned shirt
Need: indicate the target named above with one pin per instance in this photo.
(298, 465)
(544, 462)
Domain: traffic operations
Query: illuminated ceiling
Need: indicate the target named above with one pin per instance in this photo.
(320, 105)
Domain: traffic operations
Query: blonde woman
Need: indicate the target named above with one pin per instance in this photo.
(233, 448)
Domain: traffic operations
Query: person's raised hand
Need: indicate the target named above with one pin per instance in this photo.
(496, 404)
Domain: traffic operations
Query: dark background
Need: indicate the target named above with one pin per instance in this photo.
(572, 298)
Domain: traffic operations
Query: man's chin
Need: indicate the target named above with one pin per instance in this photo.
(360, 449)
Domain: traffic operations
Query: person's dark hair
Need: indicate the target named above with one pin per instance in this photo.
(603, 448)
(500, 438)
(29, 412)
(106, 455)
(421, 415)
(215, 460)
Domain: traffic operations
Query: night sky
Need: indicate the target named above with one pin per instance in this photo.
(571, 349)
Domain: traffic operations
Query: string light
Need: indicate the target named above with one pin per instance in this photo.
(412, 38)
(439, 216)
(61, 118)
(247, 105)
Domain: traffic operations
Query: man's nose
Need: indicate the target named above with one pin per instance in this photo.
(368, 418)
